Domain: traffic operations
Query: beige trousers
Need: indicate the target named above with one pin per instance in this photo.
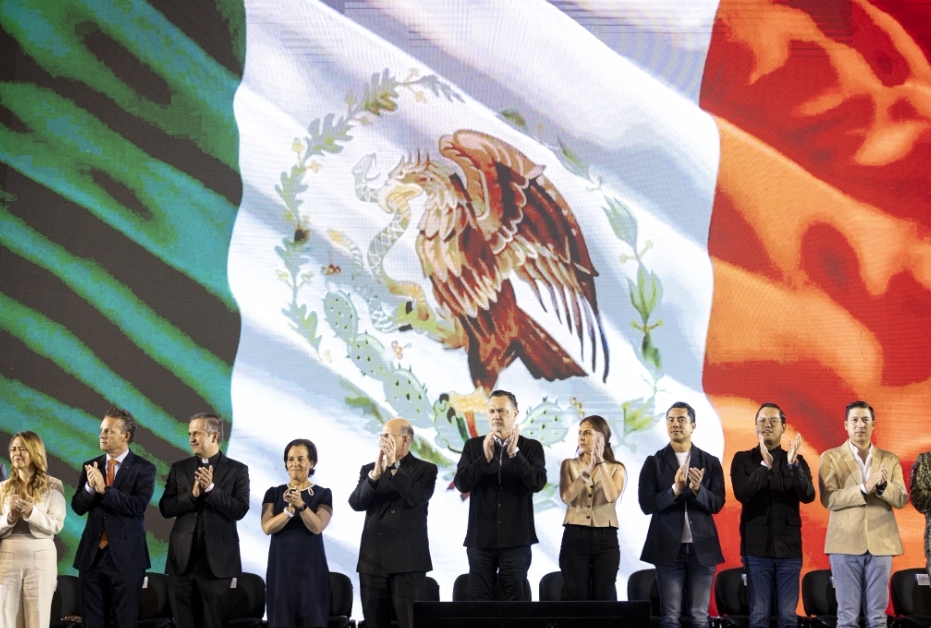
(28, 571)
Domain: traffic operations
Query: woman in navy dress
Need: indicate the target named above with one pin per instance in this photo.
(295, 515)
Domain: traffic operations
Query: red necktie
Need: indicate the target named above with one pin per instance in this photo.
(111, 471)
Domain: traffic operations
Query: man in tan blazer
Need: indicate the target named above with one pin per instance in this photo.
(860, 484)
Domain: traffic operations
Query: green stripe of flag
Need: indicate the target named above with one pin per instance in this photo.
(202, 90)
(190, 226)
(69, 433)
(55, 342)
(199, 369)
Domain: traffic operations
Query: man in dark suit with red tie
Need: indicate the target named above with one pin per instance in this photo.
(207, 494)
(113, 491)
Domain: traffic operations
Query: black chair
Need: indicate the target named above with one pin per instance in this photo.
(730, 596)
(911, 601)
(431, 594)
(247, 602)
(818, 599)
(641, 587)
(340, 601)
(66, 603)
(461, 589)
(552, 588)
(432, 590)
(818, 596)
(154, 605)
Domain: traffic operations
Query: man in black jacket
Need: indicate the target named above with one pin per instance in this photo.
(394, 556)
(770, 483)
(501, 471)
(114, 491)
(207, 494)
(681, 486)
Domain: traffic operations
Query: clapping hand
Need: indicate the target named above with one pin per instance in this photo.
(23, 505)
(488, 445)
(95, 478)
(884, 478)
(794, 446)
(293, 498)
(764, 451)
(680, 479)
(390, 448)
(15, 512)
(512, 444)
(379, 463)
(875, 479)
(695, 477)
(598, 450)
(203, 478)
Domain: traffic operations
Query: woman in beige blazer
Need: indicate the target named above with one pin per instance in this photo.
(33, 512)
(590, 485)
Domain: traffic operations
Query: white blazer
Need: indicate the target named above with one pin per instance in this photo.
(48, 514)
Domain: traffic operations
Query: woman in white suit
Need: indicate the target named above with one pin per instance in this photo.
(33, 513)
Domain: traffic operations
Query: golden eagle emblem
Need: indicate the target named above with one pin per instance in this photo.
(491, 215)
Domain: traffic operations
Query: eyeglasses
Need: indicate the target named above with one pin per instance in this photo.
(769, 421)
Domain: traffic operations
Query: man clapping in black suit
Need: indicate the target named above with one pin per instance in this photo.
(394, 556)
(112, 557)
(207, 494)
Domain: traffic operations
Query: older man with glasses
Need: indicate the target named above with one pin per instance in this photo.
(770, 483)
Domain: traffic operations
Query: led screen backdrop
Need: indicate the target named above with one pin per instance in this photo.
(210, 205)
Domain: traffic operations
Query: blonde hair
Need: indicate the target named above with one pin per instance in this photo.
(39, 484)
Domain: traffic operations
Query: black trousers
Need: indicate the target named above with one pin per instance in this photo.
(110, 594)
(198, 598)
(589, 558)
(382, 593)
(508, 564)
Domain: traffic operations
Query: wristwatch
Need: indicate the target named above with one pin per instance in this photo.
(396, 465)
(303, 507)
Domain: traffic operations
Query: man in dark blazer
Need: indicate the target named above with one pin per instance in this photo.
(113, 491)
(681, 486)
(394, 556)
(207, 495)
(770, 483)
(501, 471)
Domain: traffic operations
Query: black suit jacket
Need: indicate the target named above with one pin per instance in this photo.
(770, 522)
(120, 511)
(394, 538)
(224, 505)
(657, 498)
(501, 493)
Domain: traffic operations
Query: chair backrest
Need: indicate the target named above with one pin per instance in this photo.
(68, 593)
(908, 597)
(642, 587)
(552, 587)
(818, 596)
(431, 590)
(247, 600)
(730, 592)
(461, 589)
(154, 602)
(340, 595)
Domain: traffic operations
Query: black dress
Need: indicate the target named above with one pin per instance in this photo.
(298, 578)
